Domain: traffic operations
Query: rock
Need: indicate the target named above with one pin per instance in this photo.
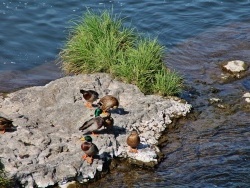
(247, 97)
(214, 100)
(71, 184)
(233, 70)
(45, 149)
(235, 66)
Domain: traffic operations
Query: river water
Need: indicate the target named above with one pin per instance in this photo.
(211, 147)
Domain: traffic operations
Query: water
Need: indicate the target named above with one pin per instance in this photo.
(209, 149)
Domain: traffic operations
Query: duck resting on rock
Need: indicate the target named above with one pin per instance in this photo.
(90, 96)
(89, 148)
(133, 140)
(107, 103)
(6, 124)
(96, 123)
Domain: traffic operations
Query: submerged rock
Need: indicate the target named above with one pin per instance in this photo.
(46, 148)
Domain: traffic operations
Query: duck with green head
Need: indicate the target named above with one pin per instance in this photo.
(89, 148)
(90, 96)
(6, 124)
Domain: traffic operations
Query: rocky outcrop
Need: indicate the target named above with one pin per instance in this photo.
(46, 150)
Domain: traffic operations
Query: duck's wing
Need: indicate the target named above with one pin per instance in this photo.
(94, 149)
(92, 124)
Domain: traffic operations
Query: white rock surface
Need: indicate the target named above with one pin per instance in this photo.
(235, 66)
(247, 97)
(45, 149)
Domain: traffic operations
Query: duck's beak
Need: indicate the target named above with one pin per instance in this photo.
(82, 139)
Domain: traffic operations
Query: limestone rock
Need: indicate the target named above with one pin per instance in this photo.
(46, 150)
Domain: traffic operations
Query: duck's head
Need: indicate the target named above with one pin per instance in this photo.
(98, 112)
(86, 138)
(134, 132)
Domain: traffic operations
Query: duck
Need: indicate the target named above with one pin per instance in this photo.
(89, 148)
(6, 124)
(96, 122)
(92, 125)
(133, 140)
(108, 102)
(108, 120)
(90, 96)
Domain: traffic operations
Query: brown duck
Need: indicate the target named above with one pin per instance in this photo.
(89, 148)
(133, 141)
(5, 124)
(90, 96)
(108, 102)
(108, 121)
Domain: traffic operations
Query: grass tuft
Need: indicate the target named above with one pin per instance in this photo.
(167, 83)
(100, 43)
(4, 181)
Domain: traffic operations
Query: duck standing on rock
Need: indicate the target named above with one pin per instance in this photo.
(90, 96)
(89, 148)
(108, 102)
(133, 140)
(5, 124)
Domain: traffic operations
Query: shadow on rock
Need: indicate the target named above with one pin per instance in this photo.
(142, 146)
(118, 130)
(119, 111)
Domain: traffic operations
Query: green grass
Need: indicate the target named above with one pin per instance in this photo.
(100, 43)
(4, 181)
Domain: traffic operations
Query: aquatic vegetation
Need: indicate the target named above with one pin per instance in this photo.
(100, 43)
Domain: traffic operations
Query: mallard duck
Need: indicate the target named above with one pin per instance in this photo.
(97, 122)
(133, 141)
(108, 102)
(90, 96)
(92, 125)
(5, 124)
(89, 148)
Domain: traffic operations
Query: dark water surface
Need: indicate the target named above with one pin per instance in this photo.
(209, 149)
